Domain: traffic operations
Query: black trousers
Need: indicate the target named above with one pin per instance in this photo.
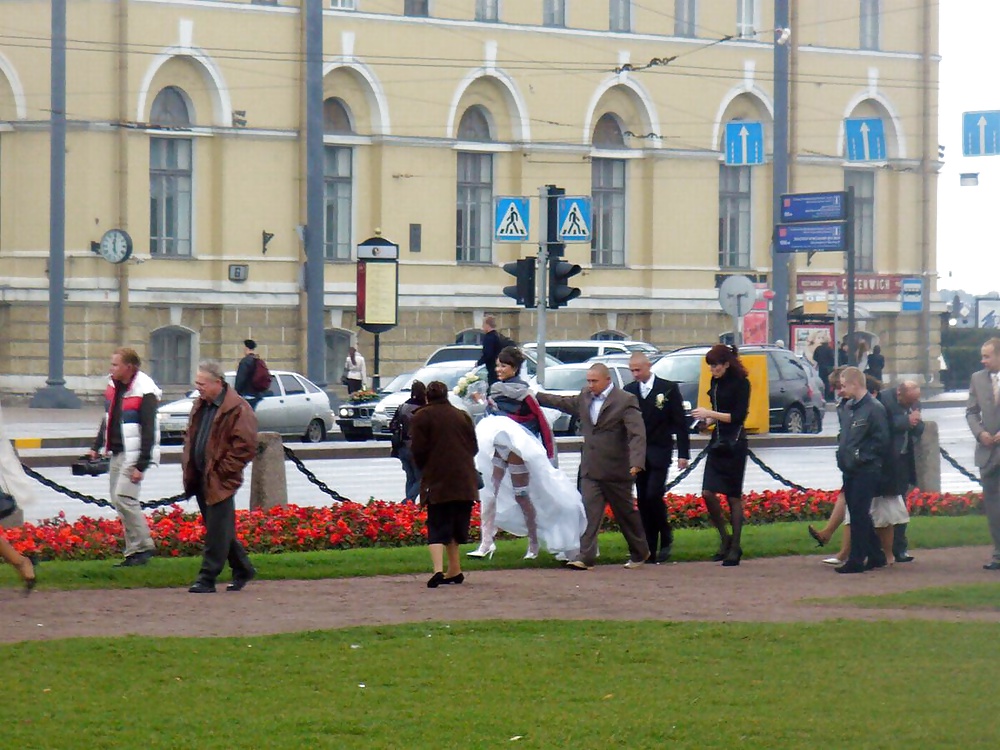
(649, 486)
(220, 542)
(859, 490)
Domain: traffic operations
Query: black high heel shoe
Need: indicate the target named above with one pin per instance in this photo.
(723, 550)
(436, 580)
(732, 558)
(815, 535)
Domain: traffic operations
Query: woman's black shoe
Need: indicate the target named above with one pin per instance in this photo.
(454, 579)
(723, 550)
(815, 535)
(732, 559)
(436, 580)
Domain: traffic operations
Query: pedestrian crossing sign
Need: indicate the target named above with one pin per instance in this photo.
(511, 219)
(573, 218)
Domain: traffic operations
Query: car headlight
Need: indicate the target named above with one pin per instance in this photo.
(346, 411)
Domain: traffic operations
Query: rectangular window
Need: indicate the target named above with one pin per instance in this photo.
(684, 11)
(621, 15)
(869, 24)
(607, 246)
(170, 196)
(863, 182)
(734, 217)
(746, 18)
(415, 8)
(170, 357)
(337, 189)
(474, 215)
(554, 13)
(487, 10)
(342, 4)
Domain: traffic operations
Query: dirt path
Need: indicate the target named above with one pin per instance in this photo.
(771, 590)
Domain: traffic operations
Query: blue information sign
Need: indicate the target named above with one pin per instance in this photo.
(799, 207)
(744, 143)
(511, 219)
(912, 294)
(828, 236)
(865, 139)
(980, 133)
(573, 218)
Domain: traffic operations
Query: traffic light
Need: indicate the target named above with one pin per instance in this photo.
(524, 291)
(560, 293)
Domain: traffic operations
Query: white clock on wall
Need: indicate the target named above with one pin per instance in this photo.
(116, 246)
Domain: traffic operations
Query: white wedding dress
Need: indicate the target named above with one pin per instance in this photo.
(559, 509)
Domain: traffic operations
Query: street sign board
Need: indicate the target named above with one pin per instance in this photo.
(980, 133)
(573, 218)
(800, 207)
(820, 237)
(865, 139)
(744, 143)
(737, 295)
(511, 219)
(912, 295)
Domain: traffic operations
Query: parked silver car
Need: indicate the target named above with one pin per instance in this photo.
(448, 373)
(293, 406)
(569, 380)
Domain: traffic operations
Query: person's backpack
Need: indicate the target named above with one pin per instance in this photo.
(260, 378)
(505, 341)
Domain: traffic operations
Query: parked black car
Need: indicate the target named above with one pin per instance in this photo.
(793, 402)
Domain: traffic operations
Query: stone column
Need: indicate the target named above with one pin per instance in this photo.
(267, 482)
(927, 453)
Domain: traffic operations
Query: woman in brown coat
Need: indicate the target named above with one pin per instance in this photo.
(444, 448)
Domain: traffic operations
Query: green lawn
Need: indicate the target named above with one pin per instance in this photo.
(690, 544)
(971, 596)
(574, 685)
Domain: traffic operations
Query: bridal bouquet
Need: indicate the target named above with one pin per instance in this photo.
(469, 384)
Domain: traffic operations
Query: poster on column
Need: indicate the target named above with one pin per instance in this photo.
(805, 338)
(755, 327)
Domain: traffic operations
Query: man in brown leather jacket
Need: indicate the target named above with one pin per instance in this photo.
(221, 440)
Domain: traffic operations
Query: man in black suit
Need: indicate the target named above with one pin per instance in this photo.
(491, 348)
(663, 414)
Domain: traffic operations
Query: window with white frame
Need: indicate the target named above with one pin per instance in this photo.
(487, 10)
(554, 12)
(863, 182)
(474, 209)
(170, 173)
(746, 18)
(338, 183)
(869, 24)
(734, 217)
(607, 188)
(621, 15)
(170, 356)
(684, 17)
(342, 4)
(415, 8)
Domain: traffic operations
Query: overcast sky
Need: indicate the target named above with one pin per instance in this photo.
(968, 240)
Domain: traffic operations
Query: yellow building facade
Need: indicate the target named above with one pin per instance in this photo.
(186, 128)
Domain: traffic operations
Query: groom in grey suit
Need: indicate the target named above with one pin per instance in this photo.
(614, 451)
(983, 415)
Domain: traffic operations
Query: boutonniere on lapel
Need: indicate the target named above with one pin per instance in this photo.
(660, 400)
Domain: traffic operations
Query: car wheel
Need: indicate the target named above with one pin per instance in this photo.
(818, 419)
(315, 432)
(795, 420)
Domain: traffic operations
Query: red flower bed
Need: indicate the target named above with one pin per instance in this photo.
(380, 524)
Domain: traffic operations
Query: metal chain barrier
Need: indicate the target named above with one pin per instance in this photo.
(290, 455)
(773, 474)
(91, 500)
(680, 477)
(961, 469)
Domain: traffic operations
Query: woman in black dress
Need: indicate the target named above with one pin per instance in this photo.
(729, 392)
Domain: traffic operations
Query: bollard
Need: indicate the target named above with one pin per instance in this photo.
(927, 453)
(13, 520)
(267, 482)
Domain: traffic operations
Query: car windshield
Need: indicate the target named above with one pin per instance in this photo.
(455, 353)
(639, 346)
(570, 379)
(681, 368)
(398, 383)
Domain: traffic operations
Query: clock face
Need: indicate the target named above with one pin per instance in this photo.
(116, 246)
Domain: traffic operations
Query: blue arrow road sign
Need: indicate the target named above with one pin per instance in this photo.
(574, 218)
(511, 219)
(795, 238)
(865, 139)
(799, 207)
(744, 143)
(980, 133)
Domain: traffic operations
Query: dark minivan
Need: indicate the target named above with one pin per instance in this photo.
(792, 402)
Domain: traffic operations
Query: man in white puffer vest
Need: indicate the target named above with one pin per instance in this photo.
(130, 432)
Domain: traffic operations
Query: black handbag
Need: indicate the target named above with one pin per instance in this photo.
(343, 379)
(725, 447)
(7, 504)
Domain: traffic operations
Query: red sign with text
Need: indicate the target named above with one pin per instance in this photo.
(872, 285)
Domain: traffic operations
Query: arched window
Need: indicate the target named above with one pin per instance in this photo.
(734, 216)
(474, 210)
(170, 356)
(170, 177)
(607, 176)
(863, 182)
(338, 182)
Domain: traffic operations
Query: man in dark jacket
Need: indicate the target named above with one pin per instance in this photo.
(861, 449)
(663, 414)
(244, 374)
(823, 357)
(906, 426)
(491, 348)
(221, 440)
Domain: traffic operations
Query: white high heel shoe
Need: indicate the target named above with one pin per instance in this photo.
(488, 552)
(531, 554)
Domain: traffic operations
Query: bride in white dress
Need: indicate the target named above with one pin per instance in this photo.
(524, 494)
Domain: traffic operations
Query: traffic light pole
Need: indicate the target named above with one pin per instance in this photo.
(542, 274)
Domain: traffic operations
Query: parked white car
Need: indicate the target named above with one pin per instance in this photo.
(569, 352)
(569, 380)
(294, 407)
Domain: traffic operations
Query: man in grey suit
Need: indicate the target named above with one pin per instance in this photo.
(983, 415)
(614, 451)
